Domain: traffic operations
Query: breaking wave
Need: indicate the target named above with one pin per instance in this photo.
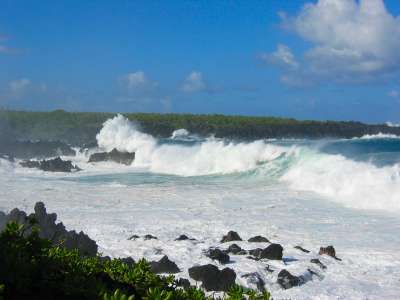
(301, 167)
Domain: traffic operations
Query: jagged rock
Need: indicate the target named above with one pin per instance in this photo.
(235, 249)
(217, 254)
(183, 282)
(287, 280)
(212, 278)
(302, 249)
(182, 237)
(128, 260)
(149, 237)
(51, 165)
(256, 280)
(258, 239)
(49, 229)
(230, 237)
(330, 251)
(39, 149)
(114, 155)
(273, 251)
(133, 237)
(318, 262)
(164, 265)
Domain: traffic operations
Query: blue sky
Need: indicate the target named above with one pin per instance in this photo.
(325, 59)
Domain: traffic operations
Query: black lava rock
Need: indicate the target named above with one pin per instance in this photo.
(258, 239)
(273, 251)
(164, 265)
(230, 237)
(114, 155)
(217, 254)
(287, 280)
(212, 278)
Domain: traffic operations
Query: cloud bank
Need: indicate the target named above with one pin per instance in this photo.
(350, 41)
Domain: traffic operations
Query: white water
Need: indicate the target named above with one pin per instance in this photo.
(291, 193)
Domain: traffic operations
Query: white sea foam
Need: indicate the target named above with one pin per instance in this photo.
(379, 135)
(352, 183)
(179, 133)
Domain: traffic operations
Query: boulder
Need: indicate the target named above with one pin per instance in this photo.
(49, 229)
(128, 260)
(273, 251)
(51, 165)
(235, 249)
(184, 237)
(330, 251)
(212, 278)
(255, 280)
(149, 237)
(258, 239)
(230, 237)
(114, 155)
(302, 249)
(164, 265)
(217, 254)
(133, 237)
(38, 149)
(183, 282)
(287, 280)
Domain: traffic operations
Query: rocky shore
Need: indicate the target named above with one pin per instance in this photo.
(216, 275)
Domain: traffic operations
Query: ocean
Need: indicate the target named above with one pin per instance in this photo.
(312, 193)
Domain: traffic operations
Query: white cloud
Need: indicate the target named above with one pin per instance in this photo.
(394, 94)
(350, 40)
(194, 83)
(282, 56)
(138, 80)
(19, 85)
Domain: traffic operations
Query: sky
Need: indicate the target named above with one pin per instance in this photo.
(321, 59)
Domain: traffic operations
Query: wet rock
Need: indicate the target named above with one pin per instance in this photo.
(184, 237)
(256, 252)
(49, 229)
(133, 237)
(253, 258)
(149, 237)
(258, 239)
(330, 251)
(212, 278)
(302, 249)
(273, 251)
(114, 155)
(287, 280)
(217, 254)
(164, 265)
(255, 279)
(38, 149)
(230, 237)
(235, 249)
(51, 165)
(183, 282)
(318, 262)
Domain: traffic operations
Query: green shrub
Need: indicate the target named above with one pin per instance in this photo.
(30, 267)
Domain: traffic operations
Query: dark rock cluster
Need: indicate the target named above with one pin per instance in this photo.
(51, 230)
(114, 155)
(51, 165)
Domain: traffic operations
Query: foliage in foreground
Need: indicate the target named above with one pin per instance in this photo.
(31, 268)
